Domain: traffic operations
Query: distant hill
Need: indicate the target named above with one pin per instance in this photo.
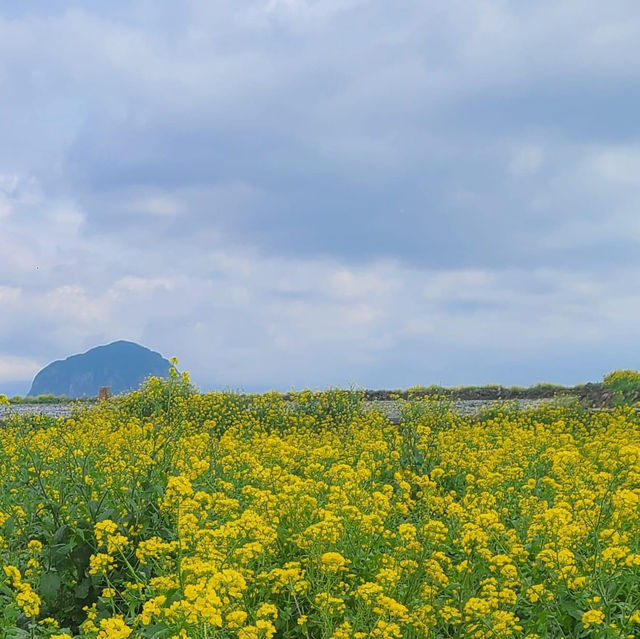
(121, 365)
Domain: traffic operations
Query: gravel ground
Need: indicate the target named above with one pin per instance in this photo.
(465, 407)
(389, 408)
(53, 410)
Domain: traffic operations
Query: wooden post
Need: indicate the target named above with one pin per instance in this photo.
(104, 393)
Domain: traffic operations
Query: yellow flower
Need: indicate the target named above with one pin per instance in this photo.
(592, 618)
(236, 618)
(262, 630)
(114, 628)
(152, 609)
(35, 547)
(28, 600)
(333, 562)
(13, 575)
(267, 610)
(100, 563)
(230, 514)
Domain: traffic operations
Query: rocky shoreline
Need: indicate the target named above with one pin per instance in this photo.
(592, 394)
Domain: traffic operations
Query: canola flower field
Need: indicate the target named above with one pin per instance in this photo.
(170, 514)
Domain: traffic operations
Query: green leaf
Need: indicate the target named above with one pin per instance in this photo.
(572, 609)
(80, 556)
(50, 586)
(61, 535)
(11, 613)
(82, 589)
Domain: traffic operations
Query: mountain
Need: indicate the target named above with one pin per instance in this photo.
(121, 365)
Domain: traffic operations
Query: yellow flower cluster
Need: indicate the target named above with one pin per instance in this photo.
(26, 598)
(239, 517)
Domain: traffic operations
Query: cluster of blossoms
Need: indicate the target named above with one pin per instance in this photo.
(185, 516)
(26, 598)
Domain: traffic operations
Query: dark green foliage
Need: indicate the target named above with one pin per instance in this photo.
(625, 385)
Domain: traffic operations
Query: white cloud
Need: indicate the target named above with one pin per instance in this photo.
(160, 206)
(527, 159)
(17, 368)
(221, 182)
(144, 285)
(6, 209)
(619, 165)
(319, 322)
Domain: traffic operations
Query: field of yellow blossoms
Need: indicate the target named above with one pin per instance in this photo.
(170, 514)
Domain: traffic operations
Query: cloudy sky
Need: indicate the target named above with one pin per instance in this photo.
(308, 193)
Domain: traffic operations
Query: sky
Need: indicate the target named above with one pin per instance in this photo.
(312, 193)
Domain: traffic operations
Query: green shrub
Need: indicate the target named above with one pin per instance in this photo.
(623, 380)
(625, 385)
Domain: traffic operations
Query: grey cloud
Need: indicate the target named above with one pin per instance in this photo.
(223, 147)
